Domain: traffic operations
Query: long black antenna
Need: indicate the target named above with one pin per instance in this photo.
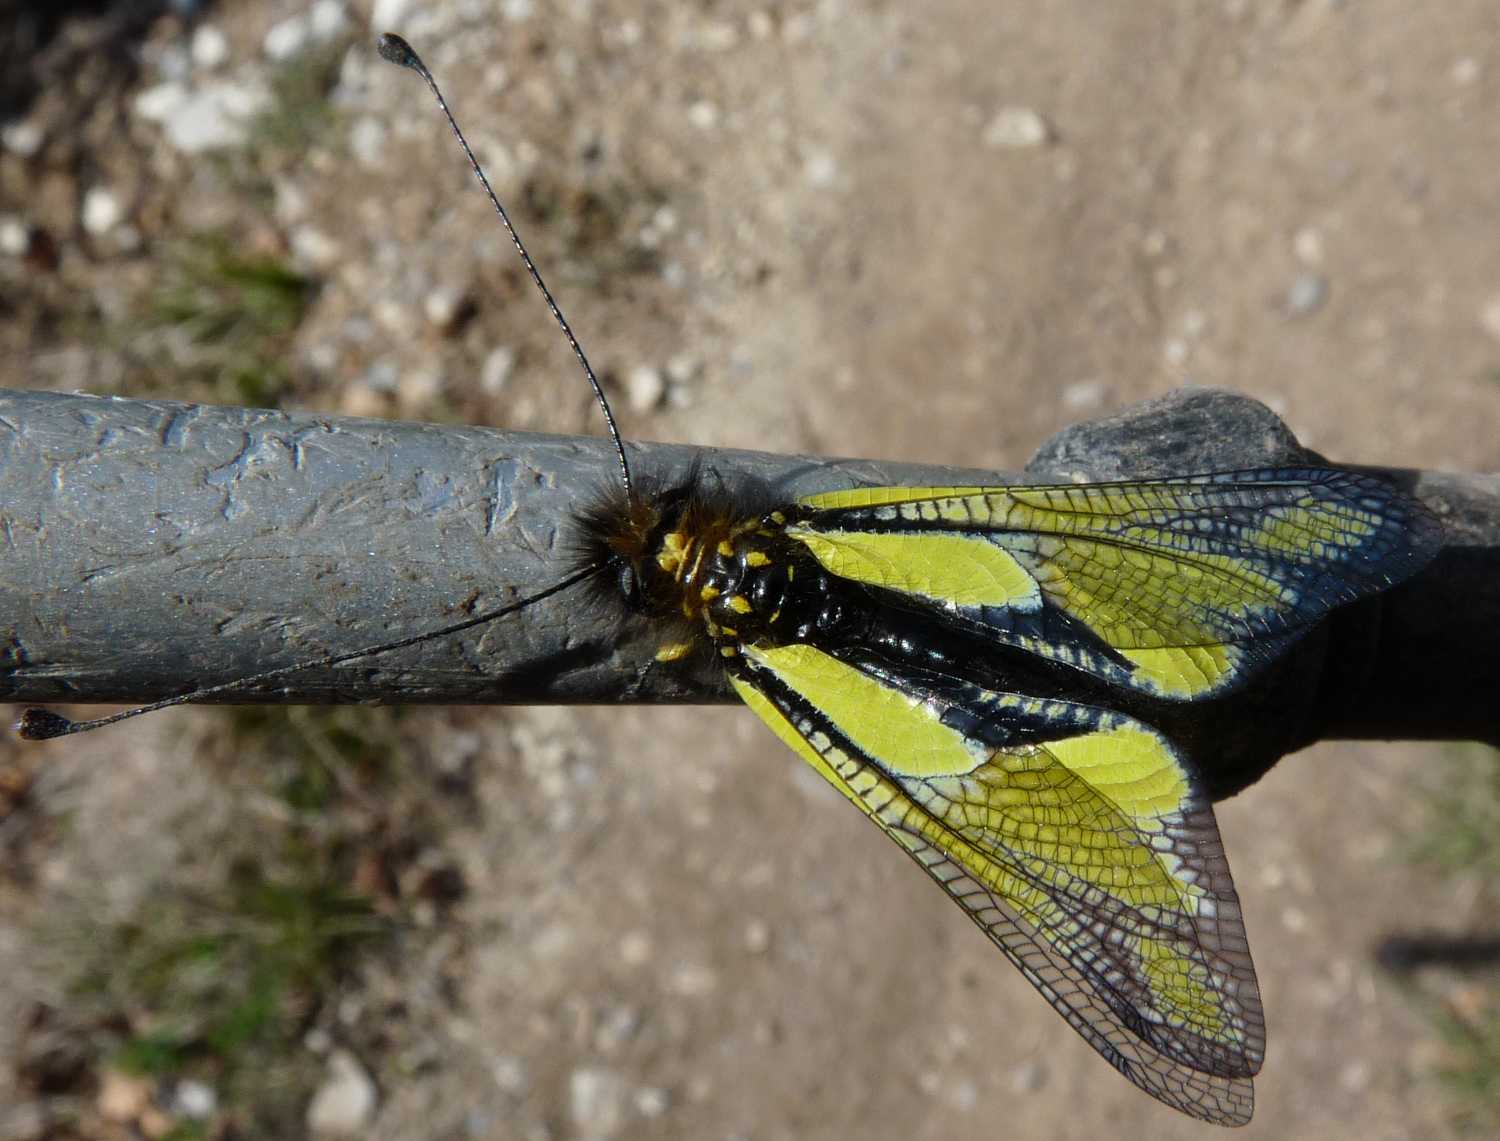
(42, 724)
(394, 49)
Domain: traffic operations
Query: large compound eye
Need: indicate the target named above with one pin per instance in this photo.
(630, 586)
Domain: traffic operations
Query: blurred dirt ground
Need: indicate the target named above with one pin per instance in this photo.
(933, 233)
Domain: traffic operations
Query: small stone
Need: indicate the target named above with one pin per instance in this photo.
(15, 236)
(617, 1026)
(684, 368)
(596, 1102)
(652, 1101)
(645, 387)
(196, 1100)
(1016, 128)
(694, 981)
(327, 19)
(635, 949)
(516, 11)
(757, 936)
(819, 168)
(1307, 245)
(23, 137)
(496, 370)
(1084, 395)
(703, 115)
(509, 1073)
(287, 38)
(965, 1095)
(367, 141)
(421, 388)
(210, 47)
(720, 36)
(445, 307)
(1029, 1076)
(312, 246)
(213, 117)
(174, 61)
(122, 1097)
(1466, 71)
(101, 211)
(1489, 316)
(344, 1104)
(389, 13)
(154, 104)
(1307, 295)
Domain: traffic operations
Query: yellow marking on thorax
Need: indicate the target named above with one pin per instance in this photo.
(739, 604)
(674, 546)
(674, 651)
(758, 559)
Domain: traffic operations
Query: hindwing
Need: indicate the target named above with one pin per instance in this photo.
(1073, 836)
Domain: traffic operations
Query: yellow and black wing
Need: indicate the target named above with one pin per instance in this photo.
(1073, 836)
(1178, 588)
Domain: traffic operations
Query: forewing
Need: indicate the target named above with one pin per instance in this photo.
(1178, 588)
(1071, 835)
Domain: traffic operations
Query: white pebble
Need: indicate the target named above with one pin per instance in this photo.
(645, 387)
(757, 936)
(1083, 395)
(388, 14)
(443, 306)
(327, 19)
(1017, 127)
(345, 1102)
(683, 368)
(1307, 244)
(286, 38)
(210, 47)
(1489, 316)
(820, 168)
(596, 1102)
(652, 1101)
(1466, 71)
(509, 1073)
(101, 211)
(703, 115)
(213, 117)
(314, 247)
(154, 104)
(23, 137)
(15, 236)
(496, 370)
(1307, 295)
(196, 1100)
(367, 141)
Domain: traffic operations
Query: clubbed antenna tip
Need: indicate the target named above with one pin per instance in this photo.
(393, 49)
(40, 725)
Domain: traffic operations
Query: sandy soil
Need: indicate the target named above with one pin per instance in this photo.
(671, 930)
